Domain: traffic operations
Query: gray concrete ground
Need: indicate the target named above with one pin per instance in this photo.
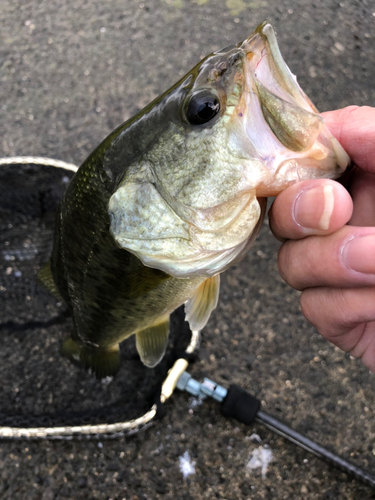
(70, 73)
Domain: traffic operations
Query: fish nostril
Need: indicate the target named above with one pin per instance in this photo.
(233, 59)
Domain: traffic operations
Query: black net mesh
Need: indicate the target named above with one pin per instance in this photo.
(38, 386)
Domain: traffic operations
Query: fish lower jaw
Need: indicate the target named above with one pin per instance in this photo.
(291, 171)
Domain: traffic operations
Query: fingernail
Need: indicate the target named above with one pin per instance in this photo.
(358, 254)
(313, 208)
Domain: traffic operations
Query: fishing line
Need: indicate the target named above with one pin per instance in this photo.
(235, 402)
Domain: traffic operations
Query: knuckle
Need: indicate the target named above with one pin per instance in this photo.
(289, 266)
(307, 306)
(275, 230)
(283, 261)
(328, 311)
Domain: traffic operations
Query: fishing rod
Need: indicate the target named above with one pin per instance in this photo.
(244, 407)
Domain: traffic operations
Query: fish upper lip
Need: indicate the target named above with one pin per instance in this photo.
(264, 40)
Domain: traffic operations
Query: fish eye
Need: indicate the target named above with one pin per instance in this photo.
(202, 107)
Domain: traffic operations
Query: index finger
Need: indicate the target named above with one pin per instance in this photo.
(354, 128)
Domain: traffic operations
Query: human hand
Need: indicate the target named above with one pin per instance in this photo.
(329, 252)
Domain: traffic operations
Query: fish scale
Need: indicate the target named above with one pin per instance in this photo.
(177, 194)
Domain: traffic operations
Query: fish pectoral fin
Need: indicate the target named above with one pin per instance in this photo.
(199, 307)
(45, 278)
(103, 362)
(152, 342)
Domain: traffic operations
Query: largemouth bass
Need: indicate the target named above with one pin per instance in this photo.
(177, 194)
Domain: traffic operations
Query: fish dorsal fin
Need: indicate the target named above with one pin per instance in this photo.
(152, 342)
(199, 307)
(45, 278)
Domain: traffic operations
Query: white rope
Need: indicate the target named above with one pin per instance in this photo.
(38, 160)
(62, 432)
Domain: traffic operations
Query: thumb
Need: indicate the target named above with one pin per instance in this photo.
(313, 207)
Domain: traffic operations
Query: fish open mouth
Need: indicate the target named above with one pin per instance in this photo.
(274, 102)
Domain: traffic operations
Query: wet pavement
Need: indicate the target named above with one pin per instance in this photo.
(70, 73)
